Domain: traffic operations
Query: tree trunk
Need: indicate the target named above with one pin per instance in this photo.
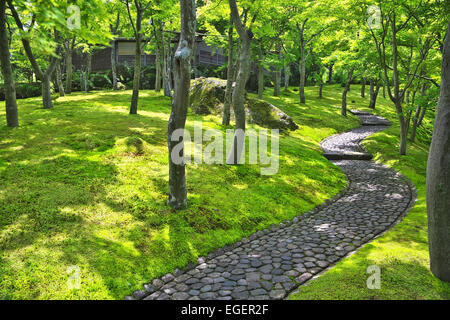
(229, 88)
(363, 87)
(69, 67)
(158, 69)
(113, 29)
(373, 95)
(166, 66)
(180, 103)
(59, 80)
(46, 92)
(320, 89)
(239, 88)
(277, 84)
(12, 117)
(438, 177)
(87, 71)
(330, 73)
(302, 71)
(344, 94)
(260, 73)
(114, 65)
(287, 74)
(137, 65)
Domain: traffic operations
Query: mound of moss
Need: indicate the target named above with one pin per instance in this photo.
(267, 115)
(208, 97)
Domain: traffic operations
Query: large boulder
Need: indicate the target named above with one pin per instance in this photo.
(208, 97)
(267, 115)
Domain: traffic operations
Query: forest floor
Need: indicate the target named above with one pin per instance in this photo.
(85, 185)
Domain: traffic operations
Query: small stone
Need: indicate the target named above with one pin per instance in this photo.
(277, 294)
(180, 296)
(303, 278)
(157, 283)
(167, 278)
(139, 294)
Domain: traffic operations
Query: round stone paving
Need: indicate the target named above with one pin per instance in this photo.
(272, 263)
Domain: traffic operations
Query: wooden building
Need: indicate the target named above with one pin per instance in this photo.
(101, 59)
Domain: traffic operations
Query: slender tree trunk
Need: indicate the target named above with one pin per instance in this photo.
(166, 66)
(158, 69)
(113, 30)
(363, 88)
(137, 64)
(373, 95)
(320, 89)
(438, 177)
(229, 88)
(384, 91)
(12, 117)
(344, 94)
(114, 65)
(87, 71)
(46, 92)
(302, 71)
(180, 103)
(260, 73)
(69, 66)
(277, 86)
(287, 74)
(239, 89)
(330, 73)
(59, 80)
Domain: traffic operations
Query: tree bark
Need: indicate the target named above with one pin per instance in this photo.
(330, 73)
(320, 89)
(166, 65)
(229, 88)
(344, 94)
(68, 45)
(59, 80)
(87, 71)
(114, 65)
(180, 103)
(137, 63)
(374, 89)
(113, 52)
(158, 69)
(302, 71)
(260, 73)
(287, 74)
(12, 116)
(363, 88)
(438, 177)
(277, 86)
(239, 89)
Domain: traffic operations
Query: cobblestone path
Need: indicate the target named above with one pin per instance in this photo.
(275, 261)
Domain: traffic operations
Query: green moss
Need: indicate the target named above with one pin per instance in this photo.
(74, 192)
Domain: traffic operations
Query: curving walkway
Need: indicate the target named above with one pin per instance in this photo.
(271, 263)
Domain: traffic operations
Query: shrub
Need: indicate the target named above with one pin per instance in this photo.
(100, 80)
(23, 90)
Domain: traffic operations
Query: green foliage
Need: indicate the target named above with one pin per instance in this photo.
(23, 90)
